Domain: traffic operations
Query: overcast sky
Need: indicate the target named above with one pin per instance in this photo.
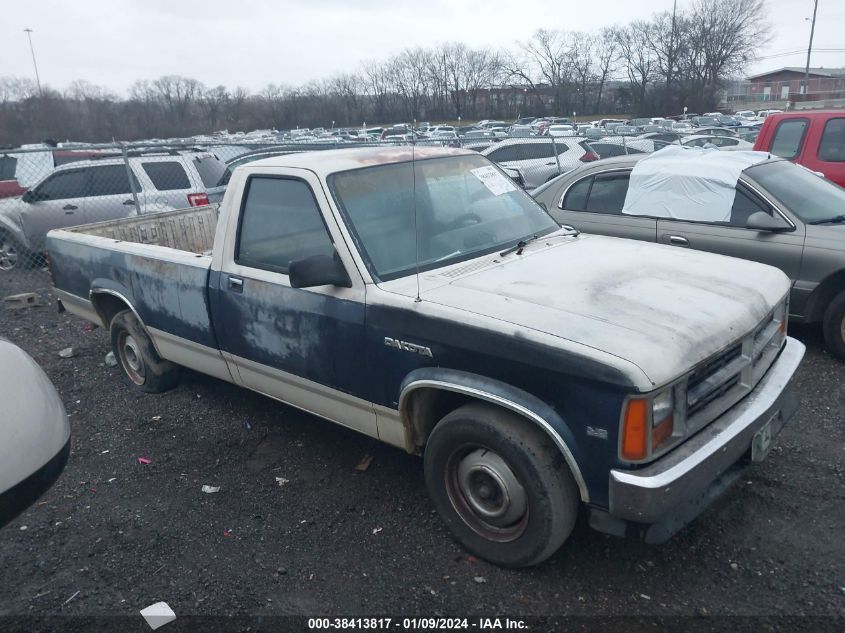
(252, 43)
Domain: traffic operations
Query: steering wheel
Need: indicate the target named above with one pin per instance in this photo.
(465, 219)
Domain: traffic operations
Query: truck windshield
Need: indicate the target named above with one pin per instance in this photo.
(810, 197)
(434, 212)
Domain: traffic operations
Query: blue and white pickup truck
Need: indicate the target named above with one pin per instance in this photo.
(420, 297)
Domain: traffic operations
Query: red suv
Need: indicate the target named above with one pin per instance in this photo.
(815, 140)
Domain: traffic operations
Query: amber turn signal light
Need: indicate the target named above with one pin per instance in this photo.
(635, 430)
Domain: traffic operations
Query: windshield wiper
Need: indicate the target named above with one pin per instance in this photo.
(836, 219)
(519, 246)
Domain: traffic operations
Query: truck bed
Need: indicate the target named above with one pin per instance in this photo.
(158, 263)
(189, 229)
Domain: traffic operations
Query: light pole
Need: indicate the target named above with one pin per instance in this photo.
(32, 50)
(810, 50)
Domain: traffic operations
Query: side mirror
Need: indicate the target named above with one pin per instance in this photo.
(762, 221)
(319, 270)
(28, 196)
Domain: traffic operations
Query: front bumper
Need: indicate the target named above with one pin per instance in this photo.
(670, 492)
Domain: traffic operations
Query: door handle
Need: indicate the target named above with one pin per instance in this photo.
(129, 202)
(677, 240)
(69, 209)
(236, 284)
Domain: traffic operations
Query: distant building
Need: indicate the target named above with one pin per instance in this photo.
(787, 83)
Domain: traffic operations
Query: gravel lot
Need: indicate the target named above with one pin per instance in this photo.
(326, 539)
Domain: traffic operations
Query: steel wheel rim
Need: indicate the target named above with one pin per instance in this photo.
(131, 358)
(486, 493)
(8, 254)
(842, 328)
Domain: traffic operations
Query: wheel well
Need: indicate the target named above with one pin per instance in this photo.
(426, 406)
(824, 294)
(107, 306)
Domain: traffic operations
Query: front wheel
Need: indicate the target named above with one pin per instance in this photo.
(500, 485)
(137, 357)
(12, 254)
(834, 326)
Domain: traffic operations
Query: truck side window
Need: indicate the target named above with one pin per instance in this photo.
(66, 184)
(789, 137)
(832, 145)
(280, 223)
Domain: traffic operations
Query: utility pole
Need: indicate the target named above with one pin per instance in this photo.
(32, 50)
(671, 60)
(810, 50)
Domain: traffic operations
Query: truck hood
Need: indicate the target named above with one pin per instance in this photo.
(662, 308)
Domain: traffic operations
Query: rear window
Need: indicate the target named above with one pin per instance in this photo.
(210, 169)
(832, 146)
(8, 164)
(788, 138)
(167, 175)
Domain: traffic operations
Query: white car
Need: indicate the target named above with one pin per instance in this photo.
(729, 143)
(764, 113)
(535, 157)
(714, 131)
(562, 130)
(746, 115)
(34, 435)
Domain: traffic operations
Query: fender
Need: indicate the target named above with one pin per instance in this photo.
(9, 224)
(112, 288)
(507, 396)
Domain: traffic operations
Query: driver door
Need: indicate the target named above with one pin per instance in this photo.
(304, 346)
(58, 202)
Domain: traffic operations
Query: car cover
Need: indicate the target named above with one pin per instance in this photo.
(688, 183)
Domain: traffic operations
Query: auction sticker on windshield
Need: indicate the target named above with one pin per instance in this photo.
(493, 180)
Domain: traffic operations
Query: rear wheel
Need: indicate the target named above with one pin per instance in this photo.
(834, 326)
(500, 485)
(137, 357)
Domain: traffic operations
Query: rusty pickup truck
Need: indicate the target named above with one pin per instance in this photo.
(419, 296)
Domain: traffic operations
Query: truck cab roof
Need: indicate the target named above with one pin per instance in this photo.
(331, 161)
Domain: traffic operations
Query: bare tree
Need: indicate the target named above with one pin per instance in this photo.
(639, 62)
(607, 59)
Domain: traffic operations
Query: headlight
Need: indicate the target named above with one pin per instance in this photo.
(647, 425)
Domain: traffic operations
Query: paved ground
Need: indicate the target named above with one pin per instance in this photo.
(117, 536)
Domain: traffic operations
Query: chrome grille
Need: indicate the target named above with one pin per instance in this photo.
(724, 380)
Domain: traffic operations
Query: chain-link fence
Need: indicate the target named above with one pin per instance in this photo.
(45, 188)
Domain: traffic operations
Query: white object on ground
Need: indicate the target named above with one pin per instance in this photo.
(158, 614)
(210, 489)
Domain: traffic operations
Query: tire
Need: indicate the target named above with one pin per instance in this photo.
(478, 439)
(13, 256)
(833, 326)
(141, 366)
